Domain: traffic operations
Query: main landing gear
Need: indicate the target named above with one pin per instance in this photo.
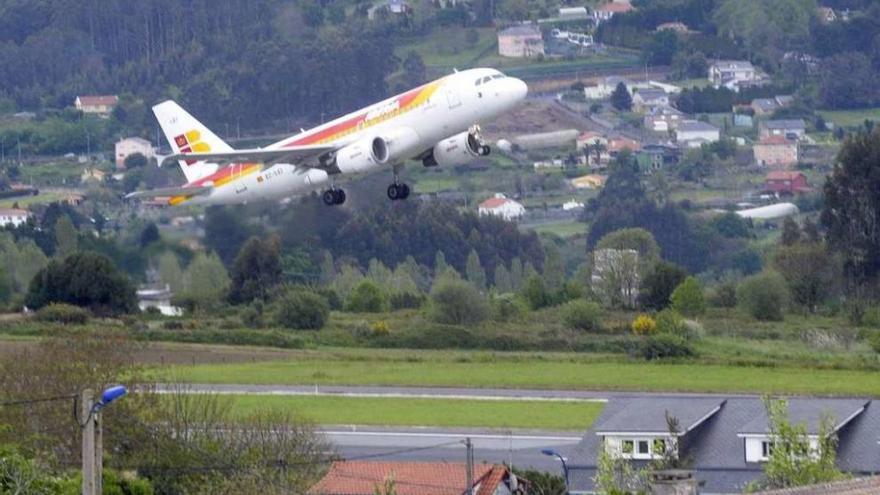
(398, 190)
(334, 196)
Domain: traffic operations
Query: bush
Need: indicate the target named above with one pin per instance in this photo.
(252, 315)
(644, 325)
(662, 347)
(406, 300)
(582, 315)
(331, 296)
(687, 298)
(456, 302)
(724, 295)
(367, 297)
(535, 293)
(670, 322)
(763, 296)
(380, 329)
(874, 341)
(508, 308)
(66, 314)
(301, 309)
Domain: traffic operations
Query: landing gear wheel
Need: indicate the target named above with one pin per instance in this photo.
(333, 197)
(398, 191)
(485, 150)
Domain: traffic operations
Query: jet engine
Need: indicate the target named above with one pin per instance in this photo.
(396, 146)
(360, 157)
(457, 150)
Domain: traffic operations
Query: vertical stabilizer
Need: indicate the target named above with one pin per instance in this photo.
(185, 134)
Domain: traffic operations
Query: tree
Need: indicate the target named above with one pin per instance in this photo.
(414, 71)
(688, 299)
(730, 225)
(764, 296)
(65, 236)
(809, 272)
(149, 235)
(793, 461)
(474, 271)
(637, 239)
(5, 286)
(616, 276)
(170, 272)
(791, 233)
(616, 475)
(225, 232)
(302, 309)
(86, 279)
(135, 160)
(456, 302)
(367, 297)
(852, 206)
(662, 48)
(658, 284)
(503, 284)
(256, 270)
(205, 282)
(621, 99)
(535, 293)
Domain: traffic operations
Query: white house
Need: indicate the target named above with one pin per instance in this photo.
(100, 105)
(606, 11)
(693, 133)
(502, 206)
(130, 146)
(13, 217)
(663, 119)
(159, 299)
(732, 74)
(644, 99)
(569, 13)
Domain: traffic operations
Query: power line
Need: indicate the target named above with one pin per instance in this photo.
(36, 401)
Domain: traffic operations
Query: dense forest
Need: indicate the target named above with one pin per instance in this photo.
(204, 53)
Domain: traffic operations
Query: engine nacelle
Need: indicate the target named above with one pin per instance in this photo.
(457, 150)
(396, 146)
(360, 157)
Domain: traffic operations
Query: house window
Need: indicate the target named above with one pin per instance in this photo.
(644, 450)
(627, 447)
(766, 449)
(659, 447)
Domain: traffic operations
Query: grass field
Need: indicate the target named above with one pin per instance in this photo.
(523, 370)
(851, 118)
(562, 229)
(547, 415)
(25, 201)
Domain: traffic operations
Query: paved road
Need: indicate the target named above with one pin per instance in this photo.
(436, 392)
(523, 449)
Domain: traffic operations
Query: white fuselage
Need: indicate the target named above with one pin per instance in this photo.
(433, 112)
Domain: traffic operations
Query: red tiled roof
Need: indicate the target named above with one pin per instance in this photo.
(98, 100)
(618, 144)
(13, 212)
(783, 175)
(492, 203)
(855, 486)
(618, 6)
(410, 478)
(490, 483)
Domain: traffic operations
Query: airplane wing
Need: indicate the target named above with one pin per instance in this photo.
(170, 191)
(294, 154)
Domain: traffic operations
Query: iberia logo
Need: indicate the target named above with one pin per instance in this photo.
(191, 142)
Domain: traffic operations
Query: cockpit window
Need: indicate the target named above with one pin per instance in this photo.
(478, 82)
(498, 76)
(487, 79)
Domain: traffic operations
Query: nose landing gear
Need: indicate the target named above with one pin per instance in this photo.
(333, 196)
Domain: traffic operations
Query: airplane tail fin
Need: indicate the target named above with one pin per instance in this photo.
(185, 134)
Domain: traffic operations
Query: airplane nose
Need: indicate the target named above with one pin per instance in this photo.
(519, 88)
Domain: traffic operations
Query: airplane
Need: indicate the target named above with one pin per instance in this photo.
(437, 123)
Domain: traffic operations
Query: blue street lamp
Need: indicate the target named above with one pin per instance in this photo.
(111, 394)
(553, 453)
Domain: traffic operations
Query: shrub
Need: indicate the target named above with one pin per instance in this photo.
(456, 302)
(871, 318)
(507, 308)
(582, 315)
(644, 325)
(874, 341)
(331, 296)
(763, 296)
(687, 298)
(252, 315)
(301, 309)
(406, 300)
(66, 314)
(659, 284)
(535, 293)
(670, 322)
(380, 329)
(724, 295)
(663, 347)
(367, 297)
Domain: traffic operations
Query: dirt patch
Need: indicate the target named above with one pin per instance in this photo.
(532, 116)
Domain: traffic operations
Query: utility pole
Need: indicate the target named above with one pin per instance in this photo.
(469, 465)
(87, 403)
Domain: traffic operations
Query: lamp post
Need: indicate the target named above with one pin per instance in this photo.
(562, 459)
(93, 437)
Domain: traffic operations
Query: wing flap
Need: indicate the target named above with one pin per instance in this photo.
(169, 192)
(294, 154)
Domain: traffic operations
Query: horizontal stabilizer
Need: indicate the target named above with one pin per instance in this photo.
(169, 192)
(294, 155)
